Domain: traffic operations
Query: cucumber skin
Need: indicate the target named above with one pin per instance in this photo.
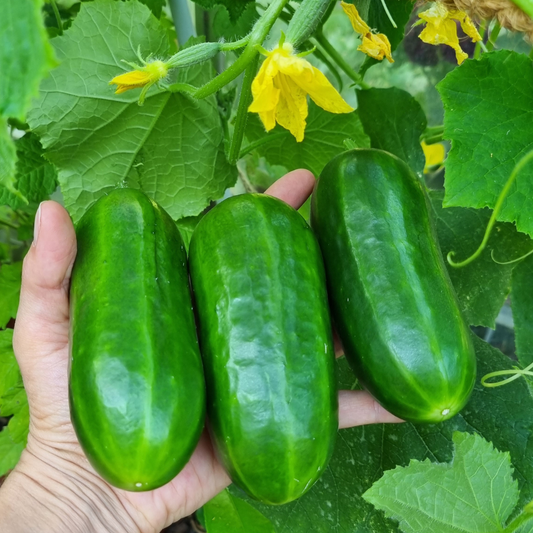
(137, 391)
(392, 300)
(265, 335)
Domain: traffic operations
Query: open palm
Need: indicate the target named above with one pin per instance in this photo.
(53, 458)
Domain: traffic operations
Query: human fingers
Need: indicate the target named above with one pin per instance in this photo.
(41, 329)
(359, 408)
(294, 188)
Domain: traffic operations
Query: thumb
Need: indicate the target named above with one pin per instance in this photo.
(42, 325)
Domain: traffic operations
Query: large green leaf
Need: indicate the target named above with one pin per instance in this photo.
(25, 55)
(8, 160)
(324, 139)
(171, 148)
(235, 7)
(522, 302)
(335, 503)
(10, 377)
(475, 493)
(10, 452)
(489, 120)
(394, 121)
(483, 285)
(225, 513)
(10, 279)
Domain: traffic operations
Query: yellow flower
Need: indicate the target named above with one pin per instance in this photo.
(142, 77)
(442, 29)
(435, 154)
(281, 87)
(375, 45)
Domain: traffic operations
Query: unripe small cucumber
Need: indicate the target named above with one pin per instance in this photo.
(392, 300)
(266, 340)
(137, 392)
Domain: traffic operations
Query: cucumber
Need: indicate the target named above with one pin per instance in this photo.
(137, 392)
(265, 336)
(392, 301)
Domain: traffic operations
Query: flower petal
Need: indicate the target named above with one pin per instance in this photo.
(376, 46)
(132, 79)
(358, 24)
(466, 24)
(445, 32)
(292, 109)
(435, 155)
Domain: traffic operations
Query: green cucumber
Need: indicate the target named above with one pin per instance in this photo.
(137, 392)
(392, 300)
(266, 340)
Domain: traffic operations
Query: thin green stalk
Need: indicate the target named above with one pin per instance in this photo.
(182, 20)
(242, 111)
(482, 31)
(433, 135)
(494, 36)
(256, 38)
(526, 6)
(497, 208)
(521, 519)
(386, 8)
(263, 140)
(330, 50)
(58, 17)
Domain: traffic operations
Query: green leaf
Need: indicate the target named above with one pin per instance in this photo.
(14, 401)
(171, 148)
(489, 120)
(522, 302)
(362, 454)
(224, 28)
(25, 55)
(156, 6)
(10, 280)
(36, 177)
(374, 15)
(225, 513)
(10, 377)
(19, 425)
(394, 121)
(235, 7)
(475, 493)
(8, 159)
(482, 286)
(324, 139)
(10, 452)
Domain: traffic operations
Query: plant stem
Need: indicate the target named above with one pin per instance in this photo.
(497, 208)
(263, 140)
(256, 38)
(330, 50)
(58, 17)
(494, 36)
(526, 6)
(386, 8)
(482, 31)
(242, 111)
(433, 135)
(525, 516)
(182, 20)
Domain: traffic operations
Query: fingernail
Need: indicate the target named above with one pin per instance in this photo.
(37, 225)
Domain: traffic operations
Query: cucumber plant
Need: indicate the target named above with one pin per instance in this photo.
(234, 94)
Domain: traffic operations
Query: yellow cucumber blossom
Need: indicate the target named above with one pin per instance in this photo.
(441, 28)
(142, 77)
(375, 45)
(281, 87)
(435, 155)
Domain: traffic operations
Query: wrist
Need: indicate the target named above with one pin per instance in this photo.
(55, 493)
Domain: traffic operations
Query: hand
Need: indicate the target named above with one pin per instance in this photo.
(54, 485)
